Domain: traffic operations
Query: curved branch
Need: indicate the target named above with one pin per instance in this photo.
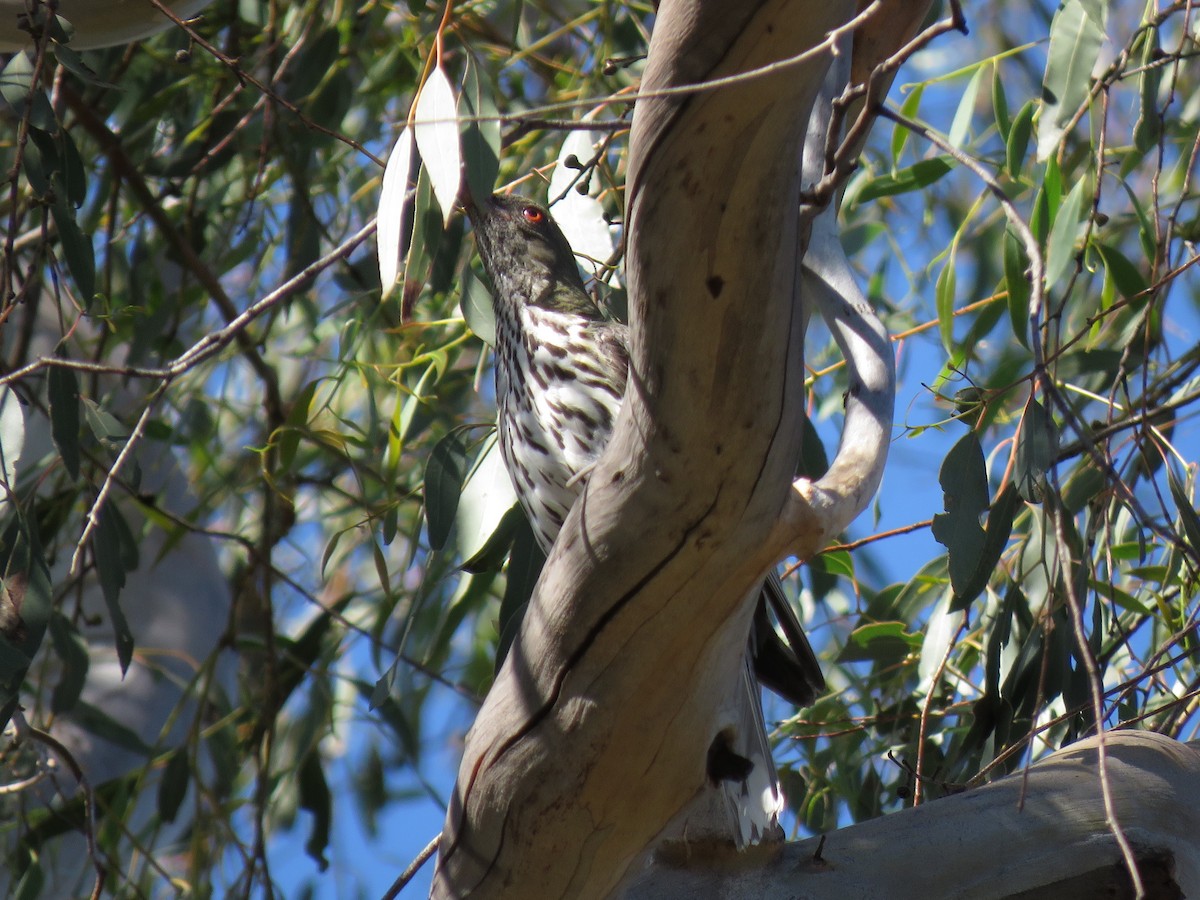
(817, 511)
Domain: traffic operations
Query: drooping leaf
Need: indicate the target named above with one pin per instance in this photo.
(427, 235)
(445, 474)
(1000, 105)
(1036, 447)
(100, 723)
(110, 546)
(961, 124)
(76, 249)
(1127, 278)
(963, 478)
(435, 123)
(63, 389)
(12, 439)
(16, 87)
(1017, 143)
(480, 134)
(296, 424)
(1016, 281)
(105, 427)
(944, 298)
(910, 109)
(525, 562)
(316, 800)
(1060, 249)
(1075, 41)
(1187, 513)
(998, 531)
(174, 785)
(476, 304)
(72, 652)
(1148, 128)
(393, 230)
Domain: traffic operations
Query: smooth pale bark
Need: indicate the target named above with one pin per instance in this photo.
(592, 745)
(1047, 837)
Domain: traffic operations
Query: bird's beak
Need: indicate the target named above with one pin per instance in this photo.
(476, 211)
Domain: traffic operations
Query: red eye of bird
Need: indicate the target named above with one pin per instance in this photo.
(533, 215)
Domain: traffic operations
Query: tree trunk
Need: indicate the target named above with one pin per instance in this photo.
(593, 744)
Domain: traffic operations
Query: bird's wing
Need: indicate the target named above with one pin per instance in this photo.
(786, 665)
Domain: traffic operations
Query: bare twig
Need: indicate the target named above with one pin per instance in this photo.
(413, 867)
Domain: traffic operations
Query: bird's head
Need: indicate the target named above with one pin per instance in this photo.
(526, 255)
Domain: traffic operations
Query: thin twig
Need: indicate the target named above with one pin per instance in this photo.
(413, 867)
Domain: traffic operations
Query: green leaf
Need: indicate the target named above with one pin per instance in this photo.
(330, 548)
(884, 643)
(944, 298)
(999, 530)
(1000, 105)
(963, 478)
(1036, 446)
(76, 249)
(491, 555)
(1146, 233)
(16, 86)
(838, 563)
(73, 61)
(525, 564)
(917, 176)
(315, 799)
(1188, 519)
(487, 501)
(865, 634)
(445, 474)
(480, 135)
(32, 883)
(1075, 41)
(1148, 128)
(72, 653)
(1124, 274)
(1016, 281)
(109, 545)
(476, 304)
(63, 389)
(40, 162)
(1017, 142)
(100, 723)
(296, 424)
(910, 109)
(1052, 188)
(1121, 598)
(426, 237)
(104, 426)
(381, 568)
(174, 785)
(1061, 244)
(1039, 221)
(961, 124)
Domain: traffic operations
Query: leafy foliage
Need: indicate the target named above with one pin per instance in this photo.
(185, 268)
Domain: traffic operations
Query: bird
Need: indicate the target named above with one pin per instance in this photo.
(561, 370)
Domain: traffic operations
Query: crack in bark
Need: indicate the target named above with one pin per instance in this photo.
(539, 715)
